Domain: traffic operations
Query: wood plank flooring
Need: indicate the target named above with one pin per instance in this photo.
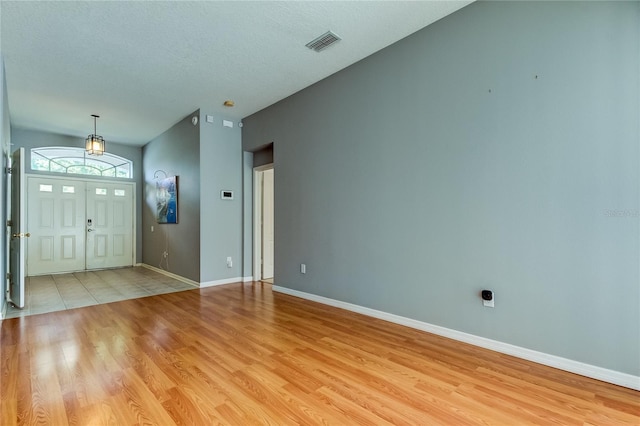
(242, 355)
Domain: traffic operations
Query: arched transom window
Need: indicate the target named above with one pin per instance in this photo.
(62, 159)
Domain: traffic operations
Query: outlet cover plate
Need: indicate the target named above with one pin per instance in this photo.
(489, 303)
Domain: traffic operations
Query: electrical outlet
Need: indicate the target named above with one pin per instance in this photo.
(488, 298)
(303, 268)
(151, 228)
(229, 262)
(165, 254)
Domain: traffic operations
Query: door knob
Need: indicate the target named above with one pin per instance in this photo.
(20, 235)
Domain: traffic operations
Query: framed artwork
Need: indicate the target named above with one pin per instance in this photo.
(167, 200)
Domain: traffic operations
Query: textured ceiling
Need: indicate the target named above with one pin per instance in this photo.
(144, 65)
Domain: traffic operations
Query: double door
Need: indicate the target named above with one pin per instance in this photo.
(77, 225)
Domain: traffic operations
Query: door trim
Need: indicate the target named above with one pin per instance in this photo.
(257, 219)
(112, 181)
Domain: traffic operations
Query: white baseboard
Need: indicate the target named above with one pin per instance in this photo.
(592, 371)
(247, 279)
(221, 282)
(172, 275)
(193, 283)
(3, 310)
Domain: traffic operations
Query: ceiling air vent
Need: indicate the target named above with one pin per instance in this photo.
(324, 41)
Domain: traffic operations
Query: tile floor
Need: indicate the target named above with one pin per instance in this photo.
(49, 293)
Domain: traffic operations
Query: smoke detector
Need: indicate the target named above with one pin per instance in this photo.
(325, 40)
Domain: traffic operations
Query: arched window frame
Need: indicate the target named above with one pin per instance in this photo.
(72, 160)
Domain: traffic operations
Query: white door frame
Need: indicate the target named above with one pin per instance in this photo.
(257, 219)
(113, 181)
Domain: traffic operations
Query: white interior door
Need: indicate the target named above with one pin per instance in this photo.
(109, 225)
(17, 230)
(56, 217)
(267, 224)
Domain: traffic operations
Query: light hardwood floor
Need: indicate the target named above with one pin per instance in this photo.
(242, 355)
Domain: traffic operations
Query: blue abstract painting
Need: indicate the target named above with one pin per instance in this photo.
(167, 200)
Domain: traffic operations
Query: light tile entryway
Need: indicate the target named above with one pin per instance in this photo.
(50, 293)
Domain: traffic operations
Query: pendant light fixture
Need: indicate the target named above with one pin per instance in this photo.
(94, 144)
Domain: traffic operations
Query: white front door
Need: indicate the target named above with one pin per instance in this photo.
(109, 225)
(56, 216)
(78, 224)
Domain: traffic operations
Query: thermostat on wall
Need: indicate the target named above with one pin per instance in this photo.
(226, 195)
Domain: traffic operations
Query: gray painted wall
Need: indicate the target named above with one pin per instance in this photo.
(263, 156)
(35, 139)
(442, 165)
(176, 152)
(221, 220)
(5, 145)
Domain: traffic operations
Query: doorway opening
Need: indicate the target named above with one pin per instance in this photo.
(74, 224)
(263, 229)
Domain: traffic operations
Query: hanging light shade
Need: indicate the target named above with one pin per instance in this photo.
(94, 144)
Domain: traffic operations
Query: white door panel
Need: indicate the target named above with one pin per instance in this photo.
(109, 225)
(55, 213)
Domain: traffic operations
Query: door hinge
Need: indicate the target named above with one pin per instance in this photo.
(9, 223)
(9, 276)
(7, 170)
